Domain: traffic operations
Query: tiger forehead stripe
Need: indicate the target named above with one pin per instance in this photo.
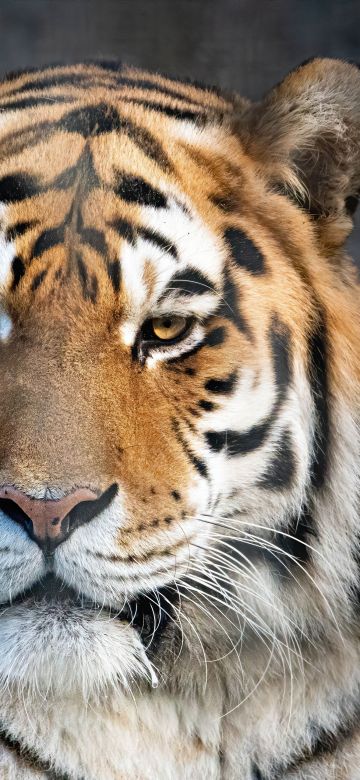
(185, 98)
(88, 122)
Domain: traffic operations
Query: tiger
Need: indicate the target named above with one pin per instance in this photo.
(179, 442)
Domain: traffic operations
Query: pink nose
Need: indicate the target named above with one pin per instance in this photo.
(49, 523)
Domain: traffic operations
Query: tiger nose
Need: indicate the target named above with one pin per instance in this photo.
(50, 522)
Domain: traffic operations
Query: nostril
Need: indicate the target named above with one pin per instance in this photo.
(50, 522)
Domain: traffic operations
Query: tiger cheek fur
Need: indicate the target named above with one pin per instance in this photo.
(179, 378)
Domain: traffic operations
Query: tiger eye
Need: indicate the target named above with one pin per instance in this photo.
(167, 328)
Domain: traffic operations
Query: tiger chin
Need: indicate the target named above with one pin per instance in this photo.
(179, 442)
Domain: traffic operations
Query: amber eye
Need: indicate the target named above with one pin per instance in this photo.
(169, 327)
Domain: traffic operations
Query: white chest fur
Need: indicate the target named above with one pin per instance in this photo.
(152, 736)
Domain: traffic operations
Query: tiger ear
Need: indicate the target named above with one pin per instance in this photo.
(305, 135)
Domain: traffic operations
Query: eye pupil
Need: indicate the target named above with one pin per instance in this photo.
(168, 328)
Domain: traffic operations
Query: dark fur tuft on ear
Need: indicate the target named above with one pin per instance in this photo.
(305, 135)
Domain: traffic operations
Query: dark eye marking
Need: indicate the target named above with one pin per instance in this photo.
(134, 189)
(222, 386)
(18, 187)
(280, 471)
(188, 282)
(215, 338)
(243, 442)
(244, 252)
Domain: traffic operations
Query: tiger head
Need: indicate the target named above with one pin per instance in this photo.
(178, 371)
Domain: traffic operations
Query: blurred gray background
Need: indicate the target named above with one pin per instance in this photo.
(247, 45)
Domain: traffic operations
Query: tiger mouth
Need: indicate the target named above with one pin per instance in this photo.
(51, 590)
(149, 614)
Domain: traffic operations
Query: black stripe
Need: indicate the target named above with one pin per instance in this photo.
(29, 757)
(38, 280)
(134, 189)
(317, 351)
(244, 252)
(95, 239)
(93, 80)
(150, 613)
(181, 114)
(208, 406)
(151, 86)
(299, 528)
(125, 229)
(114, 272)
(94, 120)
(65, 179)
(148, 144)
(196, 462)
(282, 467)
(54, 80)
(215, 337)
(229, 307)
(256, 774)
(280, 550)
(18, 271)
(91, 236)
(32, 102)
(188, 282)
(130, 233)
(222, 386)
(90, 121)
(83, 274)
(19, 229)
(89, 283)
(156, 238)
(241, 443)
(325, 743)
(17, 187)
(47, 240)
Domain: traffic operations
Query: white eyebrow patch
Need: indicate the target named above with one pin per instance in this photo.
(5, 326)
(197, 246)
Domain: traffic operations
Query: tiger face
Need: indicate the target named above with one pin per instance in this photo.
(168, 330)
